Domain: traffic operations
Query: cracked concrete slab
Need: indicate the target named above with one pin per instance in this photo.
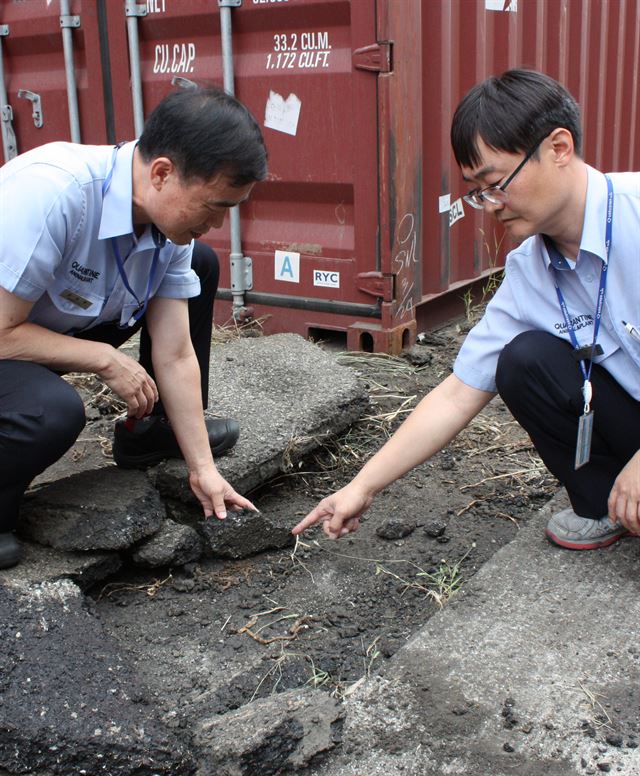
(521, 673)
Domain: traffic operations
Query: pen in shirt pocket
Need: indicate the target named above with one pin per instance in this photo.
(633, 330)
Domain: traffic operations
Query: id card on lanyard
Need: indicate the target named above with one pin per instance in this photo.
(585, 422)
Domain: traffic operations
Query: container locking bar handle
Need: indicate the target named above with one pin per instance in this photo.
(241, 265)
(9, 143)
(36, 102)
(133, 11)
(68, 23)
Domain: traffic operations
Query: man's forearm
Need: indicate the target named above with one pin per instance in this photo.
(439, 417)
(60, 352)
(179, 386)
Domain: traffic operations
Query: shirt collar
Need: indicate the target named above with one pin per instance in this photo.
(595, 215)
(117, 201)
(593, 230)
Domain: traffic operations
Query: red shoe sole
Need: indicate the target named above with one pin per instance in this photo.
(586, 545)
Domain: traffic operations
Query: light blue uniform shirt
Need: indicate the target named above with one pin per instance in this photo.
(56, 227)
(527, 300)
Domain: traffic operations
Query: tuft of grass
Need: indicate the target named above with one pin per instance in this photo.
(440, 585)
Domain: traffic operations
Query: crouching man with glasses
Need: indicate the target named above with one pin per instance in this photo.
(560, 340)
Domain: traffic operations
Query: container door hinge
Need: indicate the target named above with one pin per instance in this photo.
(375, 58)
(68, 21)
(36, 103)
(376, 284)
(241, 273)
(133, 10)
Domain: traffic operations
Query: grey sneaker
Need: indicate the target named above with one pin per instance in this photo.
(569, 530)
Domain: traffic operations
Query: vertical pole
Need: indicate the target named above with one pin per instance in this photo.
(66, 23)
(9, 144)
(236, 257)
(132, 12)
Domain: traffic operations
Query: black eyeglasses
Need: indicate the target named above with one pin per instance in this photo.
(496, 195)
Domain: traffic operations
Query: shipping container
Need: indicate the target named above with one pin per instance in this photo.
(52, 83)
(360, 231)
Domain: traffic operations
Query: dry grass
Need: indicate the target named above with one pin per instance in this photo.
(232, 330)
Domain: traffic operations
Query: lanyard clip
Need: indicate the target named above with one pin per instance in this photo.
(587, 395)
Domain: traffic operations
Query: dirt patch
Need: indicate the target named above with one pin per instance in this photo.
(210, 637)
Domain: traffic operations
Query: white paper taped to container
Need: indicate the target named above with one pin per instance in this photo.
(444, 203)
(282, 115)
(501, 5)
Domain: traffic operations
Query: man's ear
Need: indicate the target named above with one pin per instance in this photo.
(160, 170)
(562, 145)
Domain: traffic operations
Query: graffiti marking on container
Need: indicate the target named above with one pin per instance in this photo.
(309, 50)
(176, 58)
(405, 257)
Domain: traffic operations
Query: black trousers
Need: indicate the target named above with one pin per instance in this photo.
(41, 415)
(540, 381)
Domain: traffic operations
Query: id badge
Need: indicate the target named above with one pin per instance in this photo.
(583, 444)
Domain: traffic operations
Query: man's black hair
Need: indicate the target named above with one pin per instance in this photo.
(513, 112)
(205, 131)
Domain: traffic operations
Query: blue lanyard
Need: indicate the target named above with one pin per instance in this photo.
(158, 242)
(586, 373)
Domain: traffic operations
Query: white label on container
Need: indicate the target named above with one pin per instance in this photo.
(501, 5)
(444, 203)
(282, 115)
(456, 212)
(326, 279)
(287, 266)
(156, 6)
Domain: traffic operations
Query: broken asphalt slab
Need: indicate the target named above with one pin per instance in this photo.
(69, 700)
(534, 669)
(289, 395)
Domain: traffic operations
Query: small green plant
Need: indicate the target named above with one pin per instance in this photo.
(439, 585)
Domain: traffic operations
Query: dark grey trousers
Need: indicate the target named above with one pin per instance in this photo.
(540, 381)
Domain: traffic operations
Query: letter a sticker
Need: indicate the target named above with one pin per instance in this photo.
(287, 266)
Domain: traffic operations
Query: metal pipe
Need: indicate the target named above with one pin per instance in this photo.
(236, 257)
(132, 11)
(306, 303)
(9, 143)
(66, 23)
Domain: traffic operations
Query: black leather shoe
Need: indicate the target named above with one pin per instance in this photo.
(10, 550)
(138, 444)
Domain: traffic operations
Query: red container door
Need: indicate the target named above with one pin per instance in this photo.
(37, 86)
(591, 46)
(327, 230)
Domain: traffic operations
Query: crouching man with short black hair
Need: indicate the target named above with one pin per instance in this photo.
(95, 243)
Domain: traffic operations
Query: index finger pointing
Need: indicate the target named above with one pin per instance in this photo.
(316, 514)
